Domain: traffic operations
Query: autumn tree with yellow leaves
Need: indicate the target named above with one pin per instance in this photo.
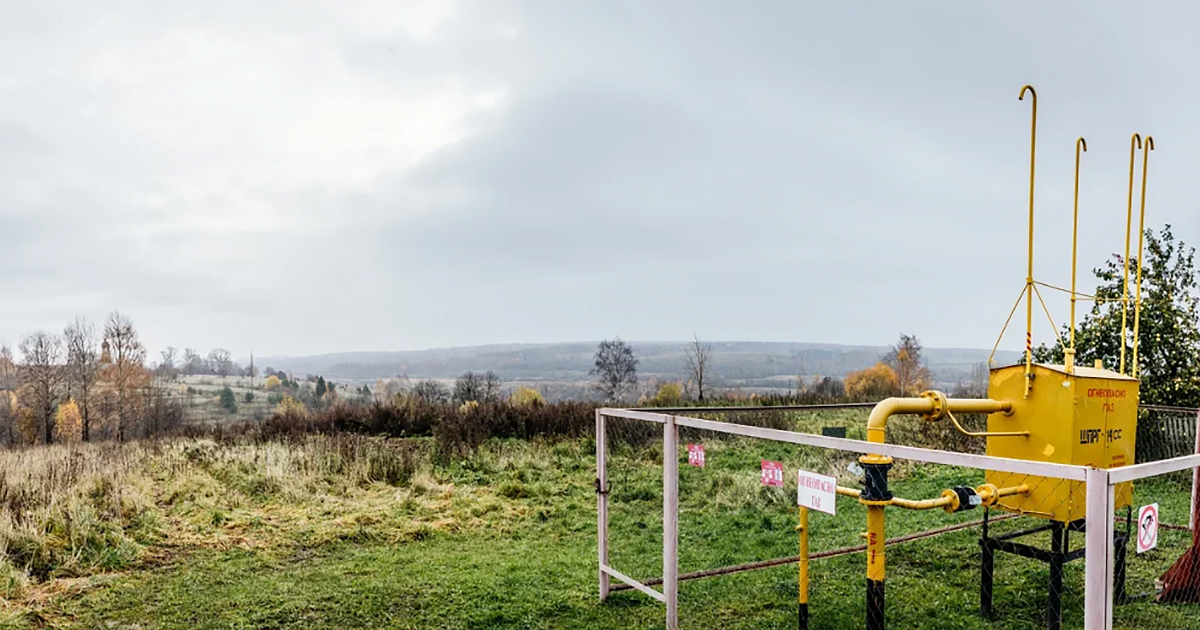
(68, 422)
(873, 383)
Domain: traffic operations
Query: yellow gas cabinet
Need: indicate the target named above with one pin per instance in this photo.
(1088, 418)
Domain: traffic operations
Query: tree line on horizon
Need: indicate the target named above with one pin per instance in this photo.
(93, 382)
(85, 384)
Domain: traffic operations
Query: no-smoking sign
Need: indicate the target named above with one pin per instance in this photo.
(1147, 528)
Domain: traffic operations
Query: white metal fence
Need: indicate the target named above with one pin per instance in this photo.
(1100, 487)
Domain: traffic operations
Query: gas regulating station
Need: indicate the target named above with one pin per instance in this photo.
(1049, 428)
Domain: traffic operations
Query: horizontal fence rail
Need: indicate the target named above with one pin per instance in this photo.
(1018, 466)
(817, 407)
(835, 406)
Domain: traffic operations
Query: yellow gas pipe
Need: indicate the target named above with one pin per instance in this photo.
(932, 405)
(1137, 300)
(1135, 142)
(1069, 355)
(1029, 275)
(949, 501)
(803, 564)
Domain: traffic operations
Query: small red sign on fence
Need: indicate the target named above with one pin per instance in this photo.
(696, 455)
(772, 473)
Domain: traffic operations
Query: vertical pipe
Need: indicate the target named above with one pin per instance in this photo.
(1057, 551)
(1137, 299)
(875, 567)
(1134, 141)
(987, 567)
(1029, 268)
(1120, 544)
(1098, 549)
(602, 500)
(802, 599)
(1080, 145)
(671, 521)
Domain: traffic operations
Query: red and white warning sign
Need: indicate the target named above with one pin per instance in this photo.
(772, 473)
(696, 455)
(816, 492)
(1147, 528)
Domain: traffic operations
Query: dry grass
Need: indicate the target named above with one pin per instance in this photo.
(70, 511)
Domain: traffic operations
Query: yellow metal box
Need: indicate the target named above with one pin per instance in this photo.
(1088, 418)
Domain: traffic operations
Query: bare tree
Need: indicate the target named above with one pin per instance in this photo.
(166, 367)
(431, 391)
(698, 361)
(615, 369)
(905, 359)
(125, 357)
(8, 387)
(83, 369)
(8, 370)
(491, 386)
(468, 387)
(220, 361)
(41, 367)
(193, 363)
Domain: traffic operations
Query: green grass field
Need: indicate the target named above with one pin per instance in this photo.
(316, 536)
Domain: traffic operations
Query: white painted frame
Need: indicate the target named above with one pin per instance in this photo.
(1097, 595)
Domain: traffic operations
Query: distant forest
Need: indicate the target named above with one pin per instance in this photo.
(747, 365)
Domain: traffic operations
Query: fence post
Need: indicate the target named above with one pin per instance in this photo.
(602, 500)
(1097, 587)
(671, 521)
(1195, 480)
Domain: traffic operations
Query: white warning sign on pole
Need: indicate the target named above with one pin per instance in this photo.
(816, 492)
(1147, 528)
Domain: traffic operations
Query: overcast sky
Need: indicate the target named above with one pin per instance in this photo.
(295, 178)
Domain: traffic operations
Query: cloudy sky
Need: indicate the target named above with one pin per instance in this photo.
(305, 177)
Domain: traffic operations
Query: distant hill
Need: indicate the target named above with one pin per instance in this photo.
(735, 363)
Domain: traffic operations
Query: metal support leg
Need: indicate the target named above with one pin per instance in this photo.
(1120, 543)
(1058, 535)
(987, 567)
(875, 607)
(802, 586)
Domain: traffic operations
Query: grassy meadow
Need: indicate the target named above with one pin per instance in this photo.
(345, 531)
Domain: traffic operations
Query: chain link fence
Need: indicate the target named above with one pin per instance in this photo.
(956, 545)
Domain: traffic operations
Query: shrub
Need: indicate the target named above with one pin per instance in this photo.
(526, 397)
(877, 381)
(227, 400)
(668, 395)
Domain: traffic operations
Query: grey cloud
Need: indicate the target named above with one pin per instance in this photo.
(788, 171)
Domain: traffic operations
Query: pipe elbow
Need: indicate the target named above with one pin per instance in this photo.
(888, 407)
(931, 403)
(877, 421)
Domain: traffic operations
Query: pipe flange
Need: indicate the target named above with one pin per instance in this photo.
(940, 405)
(989, 494)
(954, 503)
